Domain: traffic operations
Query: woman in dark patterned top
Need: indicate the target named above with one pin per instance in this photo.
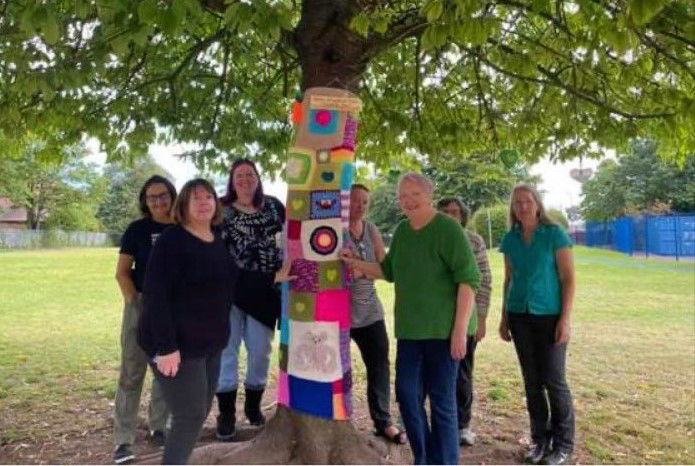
(251, 228)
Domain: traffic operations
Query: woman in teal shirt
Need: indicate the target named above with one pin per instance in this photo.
(538, 301)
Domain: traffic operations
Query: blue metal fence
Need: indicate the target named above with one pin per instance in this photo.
(664, 235)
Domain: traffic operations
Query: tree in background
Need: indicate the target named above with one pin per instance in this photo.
(57, 190)
(478, 180)
(120, 204)
(639, 182)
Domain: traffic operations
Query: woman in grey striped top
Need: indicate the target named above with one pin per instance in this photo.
(368, 328)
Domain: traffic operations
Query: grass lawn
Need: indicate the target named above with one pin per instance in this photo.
(631, 361)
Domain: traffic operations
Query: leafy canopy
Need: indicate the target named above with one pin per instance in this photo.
(563, 77)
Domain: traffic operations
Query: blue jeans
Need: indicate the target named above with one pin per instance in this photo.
(426, 368)
(258, 340)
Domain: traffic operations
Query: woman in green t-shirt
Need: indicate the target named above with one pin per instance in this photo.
(435, 274)
(538, 301)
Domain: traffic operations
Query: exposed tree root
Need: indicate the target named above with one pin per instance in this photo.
(293, 438)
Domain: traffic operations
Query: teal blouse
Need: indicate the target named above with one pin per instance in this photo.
(535, 285)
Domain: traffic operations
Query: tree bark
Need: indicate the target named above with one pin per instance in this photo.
(330, 53)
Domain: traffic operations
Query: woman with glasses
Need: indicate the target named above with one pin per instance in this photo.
(368, 328)
(156, 199)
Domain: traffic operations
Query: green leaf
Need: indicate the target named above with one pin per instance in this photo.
(433, 10)
(643, 11)
(50, 29)
(26, 20)
(381, 25)
(179, 8)
(147, 11)
(82, 9)
(540, 5)
(360, 24)
(120, 45)
(427, 39)
(39, 17)
(141, 35)
(231, 14)
(169, 22)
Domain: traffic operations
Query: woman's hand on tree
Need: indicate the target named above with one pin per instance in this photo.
(283, 275)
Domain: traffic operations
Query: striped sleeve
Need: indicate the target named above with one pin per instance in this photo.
(482, 296)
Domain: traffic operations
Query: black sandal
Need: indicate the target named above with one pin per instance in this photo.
(399, 438)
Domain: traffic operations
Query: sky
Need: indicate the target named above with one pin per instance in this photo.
(560, 190)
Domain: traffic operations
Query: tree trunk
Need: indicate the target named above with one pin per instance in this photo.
(331, 55)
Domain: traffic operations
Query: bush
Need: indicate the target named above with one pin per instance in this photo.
(498, 223)
(559, 217)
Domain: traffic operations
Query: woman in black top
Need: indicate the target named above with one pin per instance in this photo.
(251, 228)
(156, 198)
(189, 288)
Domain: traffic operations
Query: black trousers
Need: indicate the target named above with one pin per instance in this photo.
(373, 343)
(543, 368)
(464, 384)
(188, 396)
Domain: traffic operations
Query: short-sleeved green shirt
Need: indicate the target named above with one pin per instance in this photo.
(535, 285)
(427, 265)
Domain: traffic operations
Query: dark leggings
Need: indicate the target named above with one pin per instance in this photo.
(374, 347)
(543, 367)
(188, 396)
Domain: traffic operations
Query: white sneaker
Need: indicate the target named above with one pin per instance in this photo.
(466, 437)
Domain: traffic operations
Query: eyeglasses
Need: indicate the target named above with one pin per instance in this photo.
(157, 197)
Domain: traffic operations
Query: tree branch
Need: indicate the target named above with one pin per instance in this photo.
(481, 97)
(649, 42)
(557, 22)
(223, 89)
(417, 81)
(410, 24)
(589, 98)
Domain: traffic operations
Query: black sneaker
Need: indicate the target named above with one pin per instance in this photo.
(157, 438)
(558, 457)
(123, 454)
(226, 428)
(535, 454)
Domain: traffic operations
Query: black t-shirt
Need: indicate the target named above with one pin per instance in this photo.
(189, 290)
(137, 241)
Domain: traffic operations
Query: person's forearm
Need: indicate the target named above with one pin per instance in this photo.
(568, 286)
(505, 287)
(464, 307)
(125, 283)
(370, 269)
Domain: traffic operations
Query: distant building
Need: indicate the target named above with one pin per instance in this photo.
(12, 217)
